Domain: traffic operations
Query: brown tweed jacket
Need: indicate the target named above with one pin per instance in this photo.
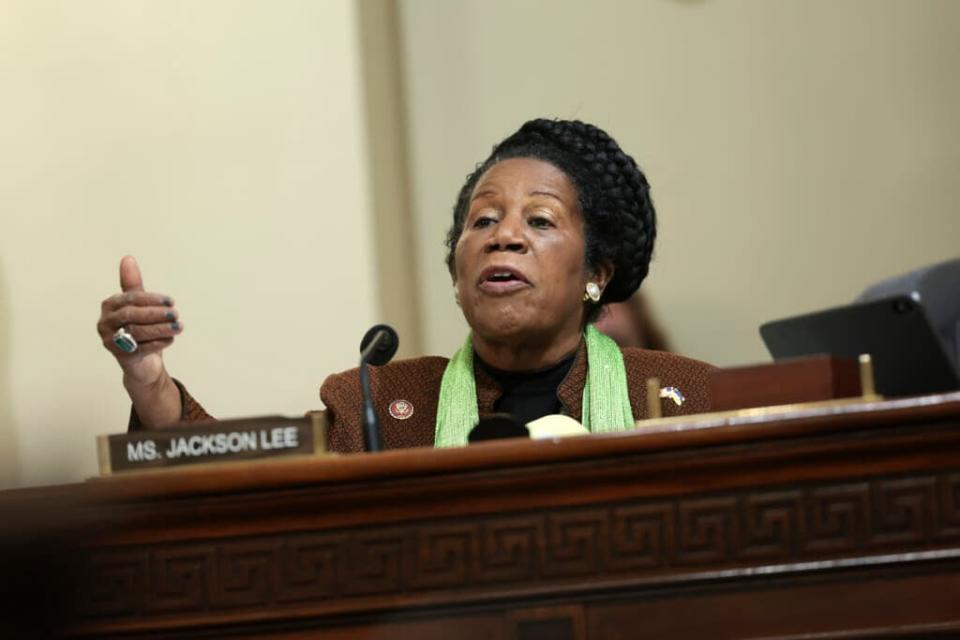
(417, 381)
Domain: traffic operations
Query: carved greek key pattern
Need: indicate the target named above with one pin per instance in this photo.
(179, 577)
(706, 530)
(373, 562)
(641, 537)
(837, 517)
(113, 583)
(507, 548)
(903, 511)
(441, 556)
(636, 538)
(308, 567)
(245, 573)
(573, 542)
(771, 525)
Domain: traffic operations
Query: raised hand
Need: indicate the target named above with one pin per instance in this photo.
(153, 322)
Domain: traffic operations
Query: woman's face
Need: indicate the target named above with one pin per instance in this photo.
(519, 264)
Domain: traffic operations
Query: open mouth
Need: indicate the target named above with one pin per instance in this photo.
(500, 280)
(502, 276)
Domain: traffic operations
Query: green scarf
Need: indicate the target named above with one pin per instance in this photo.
(606, 402)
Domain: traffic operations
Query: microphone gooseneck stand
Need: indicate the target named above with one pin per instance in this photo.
(371, 424)
(377, 348)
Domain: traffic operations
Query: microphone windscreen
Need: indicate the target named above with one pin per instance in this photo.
(497, 427)
(386, 345)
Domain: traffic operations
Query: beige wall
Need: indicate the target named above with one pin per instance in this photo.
(798, 149)
(223, 144)
(395, 234)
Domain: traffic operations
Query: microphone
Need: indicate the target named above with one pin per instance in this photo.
(378, 345)
(496, 427)
(377, 348)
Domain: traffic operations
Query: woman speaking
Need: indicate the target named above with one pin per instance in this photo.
(556, 222)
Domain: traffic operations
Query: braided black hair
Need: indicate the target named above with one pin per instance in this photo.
(619, 219)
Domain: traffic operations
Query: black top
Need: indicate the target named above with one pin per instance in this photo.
(528, 395)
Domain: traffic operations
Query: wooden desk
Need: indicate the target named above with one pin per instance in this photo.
(829, 523)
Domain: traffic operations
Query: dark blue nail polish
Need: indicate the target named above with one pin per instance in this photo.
(167, 302)
(175, 326)
(171, 315)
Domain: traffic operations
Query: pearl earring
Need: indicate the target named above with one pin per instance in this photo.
(593, 292)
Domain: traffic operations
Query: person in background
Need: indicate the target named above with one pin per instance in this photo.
(632, 323)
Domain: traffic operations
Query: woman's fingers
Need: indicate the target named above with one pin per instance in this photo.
(136, 298)
(144, 347)
(130, 315)
(147, 324)
(150, 337)
(160, 334)
(144, 333)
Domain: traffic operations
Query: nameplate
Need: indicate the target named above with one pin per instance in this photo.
(225, 441)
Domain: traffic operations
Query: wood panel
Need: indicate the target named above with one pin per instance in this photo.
(841, 520)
